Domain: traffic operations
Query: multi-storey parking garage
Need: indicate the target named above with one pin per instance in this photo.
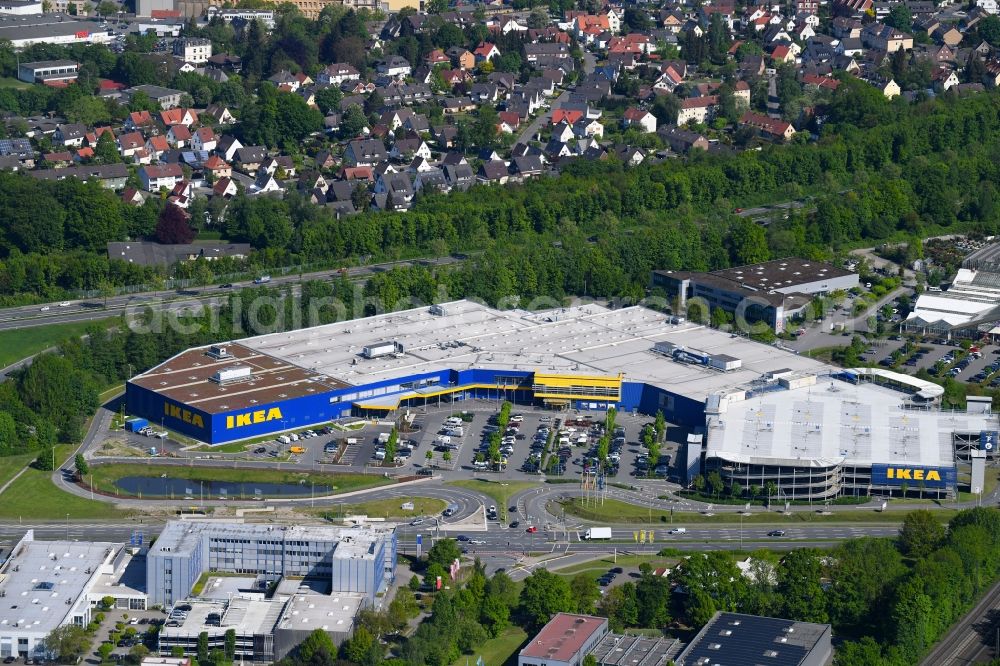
(765, 414)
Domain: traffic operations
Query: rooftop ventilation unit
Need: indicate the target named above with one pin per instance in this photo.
(232, 374)
(219, 352)
(438, 310)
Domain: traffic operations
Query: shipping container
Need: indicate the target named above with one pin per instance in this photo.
(136, 424)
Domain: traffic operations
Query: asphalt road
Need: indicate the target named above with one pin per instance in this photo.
(169, 300)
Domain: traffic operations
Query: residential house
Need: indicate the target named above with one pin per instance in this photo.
(885, 38)
(218, 167)
(178, 136)
(485, 52)
(160, 176)
(280, 166)
(460, 176)
(461, 58)
(437, 57)
(157, 145)
(767, 127)
(204, 139)
(680, 140)
(167, 98)
(640, 118)
(585, 128)
(432, 179)
(494, 171)
(697, 109)
(265, 182)
(944, 78)
(178, 116)
(129, 143)
(525, 167)
(70, 135)
(249, 158)
(325, 160)
(393, 191)
(406, 149)
(563, 132)
(225, 187)
(508, 122)
(220, 114)
(227, 146)
(338, 73)
(948, 35)
(394, 66)
(365, 152)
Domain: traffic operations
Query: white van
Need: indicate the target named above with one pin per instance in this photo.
(284, 439)
(380, 455)
(582, 439)
(453, 421)
(444, 439)
(678, 530)
(456, 432)
(383, 437)
(564, 441)
(292, 436)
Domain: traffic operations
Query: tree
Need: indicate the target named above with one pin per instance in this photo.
(494, 614)
(359, 646)
(138, 653)
(391, 447)
(544, 594)
(328, 99)
(172, 226)
(901, 18)
(715, 482)
(920, 534)
(443, 553)
(106, 150)
(230, 643)
(590, 660)
(316, 648)
(586, 592)
(799, 586)
(82, 469)
(104, 650)
(203, 647)
(862, 574)
(69, 642)
(538, 18)
(989, 29)
(46, 461)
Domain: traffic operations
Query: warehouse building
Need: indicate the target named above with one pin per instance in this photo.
(735, 638)
(586, 357)
(352, 560)
(772, 292)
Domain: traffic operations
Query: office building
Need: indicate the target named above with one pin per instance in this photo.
(360, 560)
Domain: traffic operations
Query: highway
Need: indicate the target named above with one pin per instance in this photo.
(174, 300)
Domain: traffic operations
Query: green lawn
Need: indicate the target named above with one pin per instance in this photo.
(500, 491)
(22, 342)
(33, 496)
(498, 651)
(390, 508)
(11, 465)
(10, 82)
(616, 511)
(105, 476)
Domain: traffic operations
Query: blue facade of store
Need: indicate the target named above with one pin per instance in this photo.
(301, 412)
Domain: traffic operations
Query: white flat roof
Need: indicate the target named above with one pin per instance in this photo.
(43, 581)
(834, 421)
(587, 339)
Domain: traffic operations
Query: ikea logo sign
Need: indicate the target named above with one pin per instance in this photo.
(906, 473)
(897, 475)
(250, 418)
(181, 414)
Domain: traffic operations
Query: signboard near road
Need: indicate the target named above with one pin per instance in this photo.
(988, 440)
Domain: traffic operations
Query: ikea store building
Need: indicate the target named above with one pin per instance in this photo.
(718, 385)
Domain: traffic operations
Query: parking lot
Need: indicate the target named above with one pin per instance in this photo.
(977, 365)
(525, 445)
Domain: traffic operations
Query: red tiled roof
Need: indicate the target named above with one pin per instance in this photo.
(563, 637)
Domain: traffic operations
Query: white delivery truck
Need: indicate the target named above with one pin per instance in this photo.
(598, 533)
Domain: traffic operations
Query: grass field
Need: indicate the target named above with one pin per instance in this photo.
(390, 508)
(33, 495)
(621, 512)
(10, 82)
(500, 491)
(498, 651)
(11, 465)
(105, 476)
(22, 342)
